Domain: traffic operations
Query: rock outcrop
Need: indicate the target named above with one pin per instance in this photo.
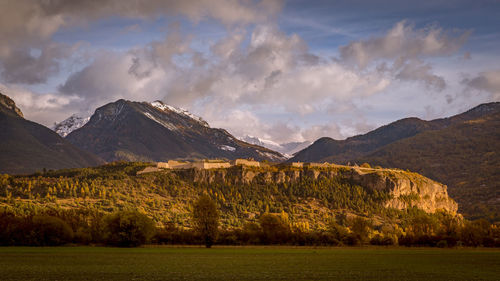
(406, 189)
(9, 106)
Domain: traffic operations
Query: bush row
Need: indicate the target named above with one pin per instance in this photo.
(131, 229)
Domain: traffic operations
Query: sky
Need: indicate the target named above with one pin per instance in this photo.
(279, 70)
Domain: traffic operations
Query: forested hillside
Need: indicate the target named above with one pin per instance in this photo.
(337, 205)
(306, 196)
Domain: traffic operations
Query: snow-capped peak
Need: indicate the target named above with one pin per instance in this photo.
(70, 124)
(287, 149)
(160, 105)
(261, 142)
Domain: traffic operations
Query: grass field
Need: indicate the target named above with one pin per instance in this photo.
(256, 263)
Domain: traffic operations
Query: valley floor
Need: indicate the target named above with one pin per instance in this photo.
(248, 263)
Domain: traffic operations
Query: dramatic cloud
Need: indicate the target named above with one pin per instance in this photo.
(27, 26)
(229, 61)
(243, 72)
(273, 70)
(22, 66)
(112, 76)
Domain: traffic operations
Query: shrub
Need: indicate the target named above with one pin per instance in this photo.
(128, 229)
(49, 231)
(382, 241)
(11, 232)
(442, 244)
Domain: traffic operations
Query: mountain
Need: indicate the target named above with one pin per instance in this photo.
(343, 151)
(141, 131)
(70, 124)
(287, 149)
(460, 151)
(26, 147)
(465, 156)
(353, 148)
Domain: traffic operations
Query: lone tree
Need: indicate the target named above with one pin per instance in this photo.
(206, 219)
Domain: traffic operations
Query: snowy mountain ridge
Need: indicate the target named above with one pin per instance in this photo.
(287, 149)
(70, 124)
(162, 106)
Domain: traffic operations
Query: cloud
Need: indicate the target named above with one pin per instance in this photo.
(35, 106)
(404, 47)
(488, 81)
(270, 72)
(27, 26)
(277, 131)
(25, 66)
(403, 41)
(256, 79)
(275, 70)
(416, 70)
(115, 75)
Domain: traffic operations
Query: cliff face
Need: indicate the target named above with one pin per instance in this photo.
(9, 106)
(406, 189)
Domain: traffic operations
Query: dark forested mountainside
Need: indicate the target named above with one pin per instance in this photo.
(26, 147)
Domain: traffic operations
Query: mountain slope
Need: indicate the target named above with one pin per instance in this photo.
(26, 146)
(343, 151)
(140, 131)
(460, 151)
(350, 149)
(465, 156)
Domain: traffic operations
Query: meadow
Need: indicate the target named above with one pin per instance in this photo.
(247, 263)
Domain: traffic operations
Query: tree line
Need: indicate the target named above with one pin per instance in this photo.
(131, 228)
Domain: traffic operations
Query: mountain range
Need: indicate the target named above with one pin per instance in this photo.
(142, 131)
(460, 151)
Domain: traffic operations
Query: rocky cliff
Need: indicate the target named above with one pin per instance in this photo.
(405, 189)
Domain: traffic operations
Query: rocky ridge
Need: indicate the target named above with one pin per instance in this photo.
(406, 189)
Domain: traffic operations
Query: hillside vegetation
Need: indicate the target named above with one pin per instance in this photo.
(465, 156)
(460, 151)
(273, 205)
(309, 197)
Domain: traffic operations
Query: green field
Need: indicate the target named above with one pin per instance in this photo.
(255, 263)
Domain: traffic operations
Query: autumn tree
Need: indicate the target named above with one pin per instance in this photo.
(274, 229)
(361, 227)
(128, 229)
(206, 219)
